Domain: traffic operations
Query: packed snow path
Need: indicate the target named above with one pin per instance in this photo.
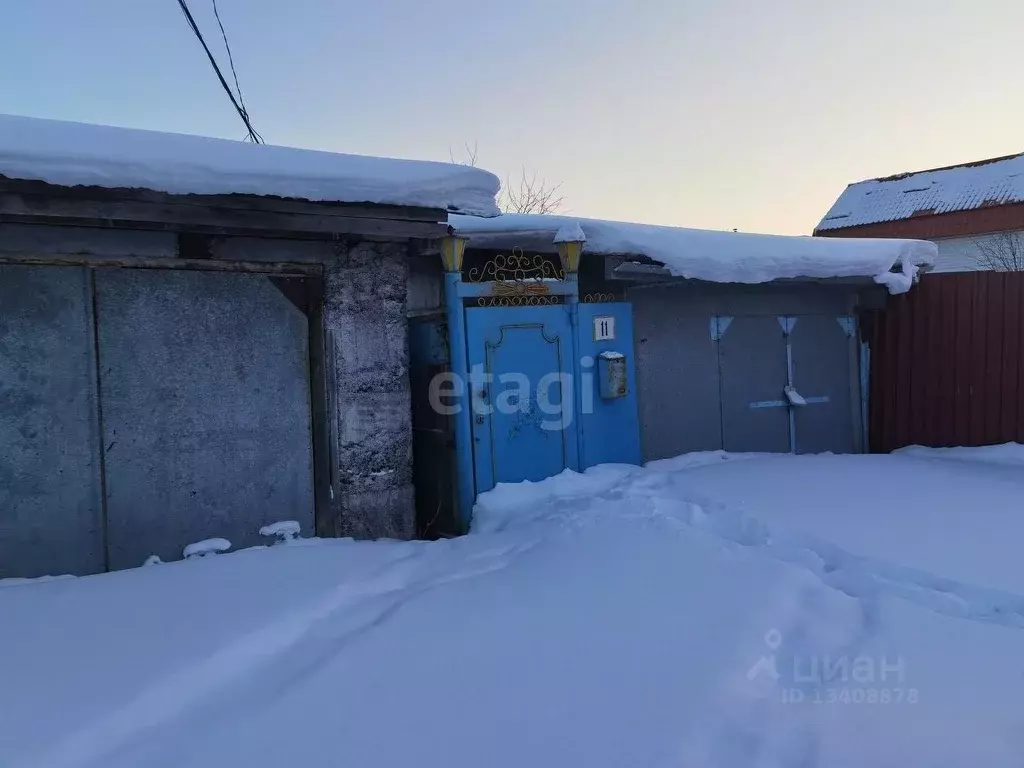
(772, 503)
(692, 613)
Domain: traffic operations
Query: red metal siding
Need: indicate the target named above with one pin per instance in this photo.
(947, 363)
(977, 221)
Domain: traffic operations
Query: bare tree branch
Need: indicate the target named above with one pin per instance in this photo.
(1002, 252)
(471, 155)
(529, 195)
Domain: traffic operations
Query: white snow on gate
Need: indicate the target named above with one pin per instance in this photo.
(720, 257)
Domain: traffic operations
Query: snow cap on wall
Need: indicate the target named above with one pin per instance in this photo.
(79, 154)
(570, 232)
(719, 257)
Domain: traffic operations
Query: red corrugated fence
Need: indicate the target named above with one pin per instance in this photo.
(947, 363)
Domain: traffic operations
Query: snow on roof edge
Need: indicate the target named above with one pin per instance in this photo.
(963, 187)
(715, 256)
(83, 154)
(570, 232)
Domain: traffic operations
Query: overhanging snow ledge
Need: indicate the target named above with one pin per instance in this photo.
(714, 256)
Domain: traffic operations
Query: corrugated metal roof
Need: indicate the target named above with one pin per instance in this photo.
(941, 190)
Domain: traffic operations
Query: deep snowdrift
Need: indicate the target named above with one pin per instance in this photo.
(72, 154)
(603, 619)
(720, 257)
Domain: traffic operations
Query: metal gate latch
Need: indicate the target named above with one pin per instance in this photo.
(794, 397)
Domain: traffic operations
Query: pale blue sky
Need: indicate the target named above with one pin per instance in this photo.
(720, 114)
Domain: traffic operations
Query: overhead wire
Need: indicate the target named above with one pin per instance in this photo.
(231, 62)
(252, 134)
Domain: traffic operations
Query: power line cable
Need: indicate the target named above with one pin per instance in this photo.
(255, 137)
(231, 61)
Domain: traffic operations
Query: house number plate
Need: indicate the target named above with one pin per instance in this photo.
(604, 328)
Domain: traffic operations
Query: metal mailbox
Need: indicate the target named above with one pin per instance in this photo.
(611, 368)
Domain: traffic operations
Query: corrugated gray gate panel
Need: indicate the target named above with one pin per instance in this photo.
(752, 356)
(50, 518)
(821, 368)
(677, 377)
(204, 381)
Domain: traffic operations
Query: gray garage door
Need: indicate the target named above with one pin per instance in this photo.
(50, 508)
(821, 374)
(206, 419)
(752, 359)
(677, 377)
(709, 382)
(202, 414)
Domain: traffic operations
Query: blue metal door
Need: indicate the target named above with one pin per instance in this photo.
(609, 422)
(521, 393)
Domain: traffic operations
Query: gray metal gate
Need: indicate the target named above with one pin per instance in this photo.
(752, 359)
(200, 404)
(204, 382)
(821, 349)
(678, 382)
(50, 502)
(713, 371)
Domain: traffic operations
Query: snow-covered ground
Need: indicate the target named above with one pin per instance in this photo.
(944, 518)
(703, 611)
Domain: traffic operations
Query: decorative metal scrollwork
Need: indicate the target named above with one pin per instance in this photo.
(522, 300)
(516, 268)
(595, 298)
(517, 280)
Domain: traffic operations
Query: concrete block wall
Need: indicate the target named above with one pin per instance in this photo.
(368, 356)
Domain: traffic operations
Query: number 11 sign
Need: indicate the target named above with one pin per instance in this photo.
(604, 328)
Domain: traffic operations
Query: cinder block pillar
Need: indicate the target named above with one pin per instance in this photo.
(365, 320)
